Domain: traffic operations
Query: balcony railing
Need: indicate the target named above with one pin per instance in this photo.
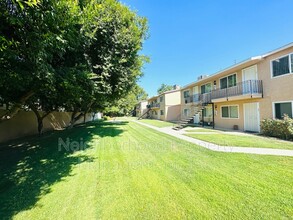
(249, 87)
(205, 98)
(154, 105)
(193, 98)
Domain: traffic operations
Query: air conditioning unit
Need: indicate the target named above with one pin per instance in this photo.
(202, 77)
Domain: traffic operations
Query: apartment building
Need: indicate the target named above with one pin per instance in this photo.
(166, 106)
(141, 108)
(242, 95)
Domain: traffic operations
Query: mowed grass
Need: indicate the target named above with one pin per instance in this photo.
(128, 171)
(157, 123)
(243, 140)
(200, 130)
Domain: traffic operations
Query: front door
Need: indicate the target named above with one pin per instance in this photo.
(196, 118)
(251, 117)
(249, 75)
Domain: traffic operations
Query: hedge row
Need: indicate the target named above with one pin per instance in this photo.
(278, 128)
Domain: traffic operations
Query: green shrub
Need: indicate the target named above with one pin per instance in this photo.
(278, 128)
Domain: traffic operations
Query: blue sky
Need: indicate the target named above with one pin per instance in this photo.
(189, 38)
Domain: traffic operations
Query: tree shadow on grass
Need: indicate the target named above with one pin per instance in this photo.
(30, 166)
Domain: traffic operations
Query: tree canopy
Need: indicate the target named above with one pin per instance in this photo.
(67, 54)
(125, 105)
(164, 88)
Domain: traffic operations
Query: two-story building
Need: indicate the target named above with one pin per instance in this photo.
(166, 106)
(141, 108)
(242, 95)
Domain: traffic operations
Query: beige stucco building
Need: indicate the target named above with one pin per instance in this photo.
(242, 95)
(166, 106)
(141, 108)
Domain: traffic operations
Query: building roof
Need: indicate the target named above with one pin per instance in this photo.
(250, 61)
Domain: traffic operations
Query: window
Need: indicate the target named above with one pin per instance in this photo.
(206, 88)
(162, 112)
(161, 98)
(283, 108)
(186, 112)
(186, 94)
(228, 81)
(208, 112)
(229, 111)
(282, 66)
(156, 113)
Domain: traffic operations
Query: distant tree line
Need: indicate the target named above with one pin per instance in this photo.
(78, 56)
(164, 88)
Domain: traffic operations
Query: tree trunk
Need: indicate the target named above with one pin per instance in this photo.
(40, 125)
(16, 107)
(74, 119)
(40, 118)
(94, 115)
(84, 117)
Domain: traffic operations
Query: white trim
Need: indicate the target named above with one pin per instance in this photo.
(290, 66)
(258, 115)
(227, 79)
(253, 66)
(279, 102)
(229, 112)
(278, 50)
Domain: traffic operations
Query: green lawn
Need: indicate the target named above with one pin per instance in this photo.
(243, 141)
(157, 123)
(129, 171)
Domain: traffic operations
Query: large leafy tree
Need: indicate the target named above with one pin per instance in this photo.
(118, 34)
(36, 43)
(75, 55)
(125, 105)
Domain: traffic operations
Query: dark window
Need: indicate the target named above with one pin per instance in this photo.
(225, 112)
(281, 66)
(223, 83)
(186, 94)
(206, 88)
(161, 98)
(162, 112)
(202, 89)
(232, 80)
(228, 81)
(283, 108)
(230, 112)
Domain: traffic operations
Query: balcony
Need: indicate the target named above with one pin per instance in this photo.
(154, 105)
(243, 90)
(196, 98)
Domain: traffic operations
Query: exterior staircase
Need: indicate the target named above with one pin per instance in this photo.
(184, 122)
(145, 114)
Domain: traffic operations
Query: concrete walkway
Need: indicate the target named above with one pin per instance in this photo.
(215, 147)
